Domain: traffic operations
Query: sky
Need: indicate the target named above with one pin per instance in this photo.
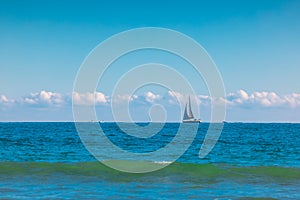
(254, 44)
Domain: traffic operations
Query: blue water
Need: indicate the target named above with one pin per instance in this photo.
(48, 160)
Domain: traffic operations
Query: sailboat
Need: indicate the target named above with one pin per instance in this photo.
(188, 116)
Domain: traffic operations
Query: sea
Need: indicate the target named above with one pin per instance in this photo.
(48, 160)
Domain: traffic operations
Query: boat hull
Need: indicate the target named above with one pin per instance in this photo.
(191, 121)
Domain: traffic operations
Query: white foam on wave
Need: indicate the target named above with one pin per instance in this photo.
(163, 162)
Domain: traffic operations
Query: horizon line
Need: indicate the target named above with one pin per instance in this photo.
(246, 122)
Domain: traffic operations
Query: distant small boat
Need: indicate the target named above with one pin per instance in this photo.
(188, 116)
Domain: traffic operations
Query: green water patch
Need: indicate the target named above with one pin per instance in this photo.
(175, 171)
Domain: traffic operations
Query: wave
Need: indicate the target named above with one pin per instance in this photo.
(184, 170)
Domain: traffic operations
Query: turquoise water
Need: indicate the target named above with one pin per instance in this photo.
(48, 160)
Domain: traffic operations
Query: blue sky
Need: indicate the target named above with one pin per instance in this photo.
(255, 44)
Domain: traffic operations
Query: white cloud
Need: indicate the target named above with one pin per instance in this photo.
(204, 100)
(5, 101)
(151, 97)
(123, 98)
(175, 97)
(146, 98)
(293, 99)
(237, 98)
(175, 94)
(89, 98)
(43, 98)
(262, 99)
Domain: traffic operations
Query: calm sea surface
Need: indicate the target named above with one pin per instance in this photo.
(48, 160)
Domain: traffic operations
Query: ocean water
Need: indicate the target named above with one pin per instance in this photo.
(249, 161)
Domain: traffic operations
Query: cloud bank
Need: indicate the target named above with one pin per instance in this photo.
(241, 105)
(239, 98)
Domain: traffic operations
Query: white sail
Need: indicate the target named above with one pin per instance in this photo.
(190, 113)
(185, 115)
